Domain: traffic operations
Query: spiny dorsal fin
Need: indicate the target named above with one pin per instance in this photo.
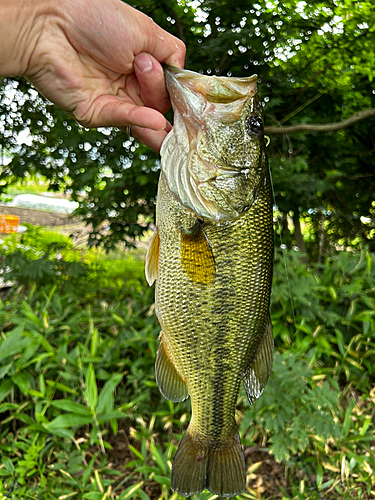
(170, 383)
(196, 255)
(256, 376)
(152, 258)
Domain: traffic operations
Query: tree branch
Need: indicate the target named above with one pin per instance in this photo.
(329, 127)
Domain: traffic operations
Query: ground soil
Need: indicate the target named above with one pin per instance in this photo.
(269, 479)
(38, 217)
(63, 223)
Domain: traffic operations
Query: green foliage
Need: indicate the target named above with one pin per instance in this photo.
(37, 256)
(80, 356)
(297, 412)
(47, 258)
(315, 412)
(35, 241)
(122, 272)
(327, 312)
(77, 378)
(315, 63)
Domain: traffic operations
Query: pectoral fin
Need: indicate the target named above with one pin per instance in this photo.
(170, 383)
(256, 376)
(152, 258)
(196, 255)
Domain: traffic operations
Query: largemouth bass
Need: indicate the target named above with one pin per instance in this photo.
(211, 256)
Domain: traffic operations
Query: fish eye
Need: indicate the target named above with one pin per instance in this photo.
(254, 124)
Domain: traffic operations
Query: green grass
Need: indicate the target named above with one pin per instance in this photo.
(28, 185)
(80, 413)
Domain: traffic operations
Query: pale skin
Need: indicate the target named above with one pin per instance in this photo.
(100, 60)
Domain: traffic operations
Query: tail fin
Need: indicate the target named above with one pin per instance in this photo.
(220, 468)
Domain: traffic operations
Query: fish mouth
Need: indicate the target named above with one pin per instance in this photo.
(215, 89)
(193, 94)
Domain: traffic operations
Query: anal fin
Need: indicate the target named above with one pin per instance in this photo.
(196, 255)
(152, 258)
(256, 376)
(170, 383)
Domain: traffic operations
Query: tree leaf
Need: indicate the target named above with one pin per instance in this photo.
(130, 491)
(88, 469)
(157, 457)
(8, 464)
(162, 480)
(346, 425)
(109, 415)
(23, 381)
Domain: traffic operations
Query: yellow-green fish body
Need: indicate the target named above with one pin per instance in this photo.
(212, 257)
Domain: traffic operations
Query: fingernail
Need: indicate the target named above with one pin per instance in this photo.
(168, 126)
(144, 63)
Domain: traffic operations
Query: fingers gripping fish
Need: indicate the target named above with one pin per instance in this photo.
(211, 256)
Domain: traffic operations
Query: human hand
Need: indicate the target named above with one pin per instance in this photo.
(100, 60)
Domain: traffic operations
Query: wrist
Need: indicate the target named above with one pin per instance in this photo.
(21, 24)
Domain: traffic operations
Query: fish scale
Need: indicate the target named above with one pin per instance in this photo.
(211, 257)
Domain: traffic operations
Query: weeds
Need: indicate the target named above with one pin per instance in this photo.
(80, 413)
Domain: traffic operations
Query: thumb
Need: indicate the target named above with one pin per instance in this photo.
(150, 76)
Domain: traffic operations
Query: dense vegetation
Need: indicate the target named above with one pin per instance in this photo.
(81, 416)
(315, 63)
(80, 413)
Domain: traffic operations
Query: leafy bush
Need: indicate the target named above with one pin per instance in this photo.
(35, 241)
(328, 312)
(37, 256)
(123, 272)
(49, 258)
(295, 410)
